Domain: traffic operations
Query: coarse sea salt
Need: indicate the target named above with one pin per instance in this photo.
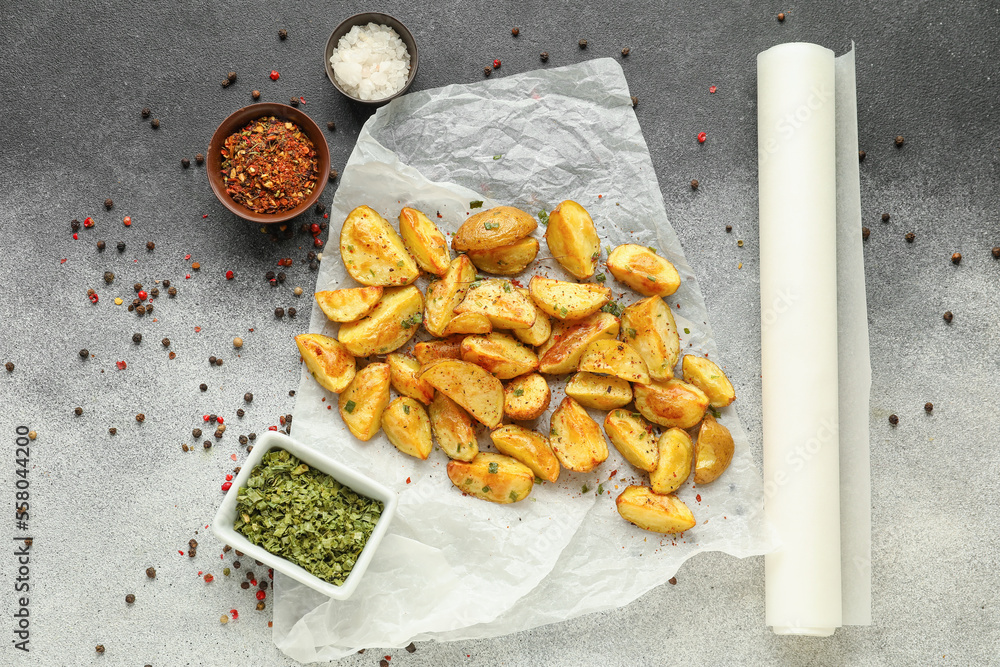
(371, 62)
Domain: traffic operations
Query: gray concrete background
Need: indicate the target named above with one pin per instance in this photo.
(73, 79)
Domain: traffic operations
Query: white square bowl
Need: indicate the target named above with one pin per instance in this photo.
(222, 525)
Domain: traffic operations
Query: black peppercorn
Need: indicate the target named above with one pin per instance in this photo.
(282, 34)
(74, 224)
(248, 397)
(255, 94)
(294, 101)
(108, 203)
(166, 342)
(544, 55)
(333, 174)
(9, 366)
(121, 246)
(487, 70)
(137, 338)
(310, 255)
(211, 360)
(250, 575)
(199, 158)
(281, 277)
(313, 265)
(99, 648)
(279, 312)
(240, 412)
(694, 183)
(207, 444)
(729, 228)
(109, 277)
(231, 76)
(225, 83)
(129, 599)
(928, 406)
(956, 258)
(948, 316)
(218, 362)
(252, 436)
(196, 433)
(84, 353)
(292, 311)
(899, 140)
(218, 433)
(245, 585)
(635, 101)
(322, 226)
(330, 125)
(515, 31)
(203, 386)
(320, 208)
(146, 112)
(151, 572)
(996, 252)
(100, 245)
(185, 163)
(291, 392)
(78, 411)
(140, 417)
(141, 310)
(893, 419)
(626, 51)
(261, 606)
(885, 217)
(269, 275)
(865, 233)
(243, 440)
(910, 236)
(582, 43)
(155, 123)
(155, 292)
(172, 291)
(112, 430)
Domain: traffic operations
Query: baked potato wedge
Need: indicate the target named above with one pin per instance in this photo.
(599, 392)
(393, 321)
(468, 323)
(529, 447)
(538, 332)
(608, 356)
(445, 294)
(425, 241)
(649, 327)
(372, 251)
(507, 260)
(643, 270)
(673, 403)
(713, 451)
(707, 376)
(427, 351)
(633, 437)
(674, 465)
(500, 354)
(471, 386)
(493, 477)
(493, 228)
(572, 239)
(408, 427)
(568, 301)
(575, 438)
(329, 362)
(452, 428)
(653, 512)
(404, 374)
(348, 305)
(562, 352)
(526, 397)
(498, 300)
(363, 402)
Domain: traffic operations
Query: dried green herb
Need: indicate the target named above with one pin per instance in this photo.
(305, 516)
(476, 204)
(543, 217)
(614, 308)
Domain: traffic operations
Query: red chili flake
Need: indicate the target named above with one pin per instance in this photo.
(62, 261)
(75, 237)
(204, 216)
(88, 222)
(698, 497)
(318, 243)
(128, 221)
(197, 329)
(439, 214)
(702, 137)
(235, 614)
(209, 578)
(226, 486)
(302, 99)
(613, 473)
(180, 552)
(187, 256)
(274, 75)
(219, 419)
(232, 456)
(121, 365)
(229, 275)
(711, 89)
(314, 228)
(200, 573)
(272, 428)
(142, 294)
(326, 215)
(387, 657)
(93, 297)
(600, 196)
(270, 573)
(253, 582)
(261, 595)
(496, 63)
(407, 480)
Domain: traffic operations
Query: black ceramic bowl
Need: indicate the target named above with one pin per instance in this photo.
(365, 19)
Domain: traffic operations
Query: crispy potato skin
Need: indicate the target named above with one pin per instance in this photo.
(707, 376)
(526, 397)
(329, 362)
(404, 373)
(649, 327)
(713, 452)
(538, 332)
(469, 385)
(653, 512)
(674, 465)
(493, 228)
(616, 358)
(348, 305)
(428, 351)
(408, 428)
(501, 302)
(673, 403)
(444, 295)
(369, 392)
(507, 260)
(562, 352)
(599, 392)
(499, 353)
(633, 437)
(573, 240)
(643, 270)
(575, 438)
(424, 241)
(372, 251)
(393, 321)
(493, 477)
(529, 447)
(565, 300)
(452, 427)
(469, 323)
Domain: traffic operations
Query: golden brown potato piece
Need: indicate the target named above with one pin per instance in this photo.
(452, 427)
(674, 465)
(599, 392)
(471, 386)
(562, 352)
(348, 305)
(653, 512)
(445, 294)
(573, 240)
(372, 251)
(643, 270)
(498, 300)
(713, 452)
(427, 351)
(424, 241)
(616, 358)
(575, 438)
(529, 447)
(394, 320)
(708, 377)
(507, 260)
(671, 403)
(493, 228)
(500, 354)
(469, 323)
(362, 403)
(633, 437)
(649, 327)
(568, 301)
(526, 397)
(493, 477)
(329, 362)
(407, 426)
(404, 372)
(540, 331)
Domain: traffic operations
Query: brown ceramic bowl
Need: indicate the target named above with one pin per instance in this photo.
(236, 121)
(364, 19)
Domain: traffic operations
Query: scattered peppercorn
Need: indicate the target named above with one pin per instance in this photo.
(626, 51)
(255, 94)
(137, 338)
(32, 435)
(281, 276)
(207, 444)
(211, 360)
(248, 397)
(199, 159)
(121, 246)
(861, 156)
(320, 208)
(203, 387)
(279, 312)
(78, 411)
(282, 34)
(885, 217)
(141, 310)
(196, 433)
(292, 311)
(129, 599)
(956, 258)
(100, 245)
(84, 353)
(996, 252)
(948, 316)
(113, 430)
(231, 76)
(108, 203)
(910, 236)
(245, 585)
(243, 440)
(928, 406)
(672, 581)
(240, 412)
(515, 31)
(237, 342)
(218, 362)
(140, 417)
(729, 228)
(781, 16)
(411, 648)
(166, 342)
(635, 101)
(172, 291)
(155, 124)
(99, 648)
(487, 70)
(694, 184)
(146, 112)
(582, 43)
(9, 366)
(333, 174)
(865, 233)
(225, 83)
(185, 163)
(151, 572)
(196, 266)
(294, 101)
(261, 605)
(899, 140)
(330, 125)
(252, 436)
(740, 243)
(544, 55)
(893, 419)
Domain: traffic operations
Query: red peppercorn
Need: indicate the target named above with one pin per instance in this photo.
(75, 236)
(142, 294)
(235, 614)
(702, 137)
(229, 275)
(272, 428)
(261, 595)
(318, 243)
(229, 478)
(219, 419)
(496, 63)
(274, 75)
(128, 221)
(226, 486)
(314, 228)
(205, 417)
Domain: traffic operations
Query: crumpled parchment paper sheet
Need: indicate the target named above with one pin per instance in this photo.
(455, 567)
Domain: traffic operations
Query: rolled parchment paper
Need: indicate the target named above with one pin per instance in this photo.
(815, 381)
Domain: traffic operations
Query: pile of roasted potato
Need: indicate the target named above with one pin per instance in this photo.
(491, 343)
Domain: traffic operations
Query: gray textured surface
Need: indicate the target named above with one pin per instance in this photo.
(72, 81)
